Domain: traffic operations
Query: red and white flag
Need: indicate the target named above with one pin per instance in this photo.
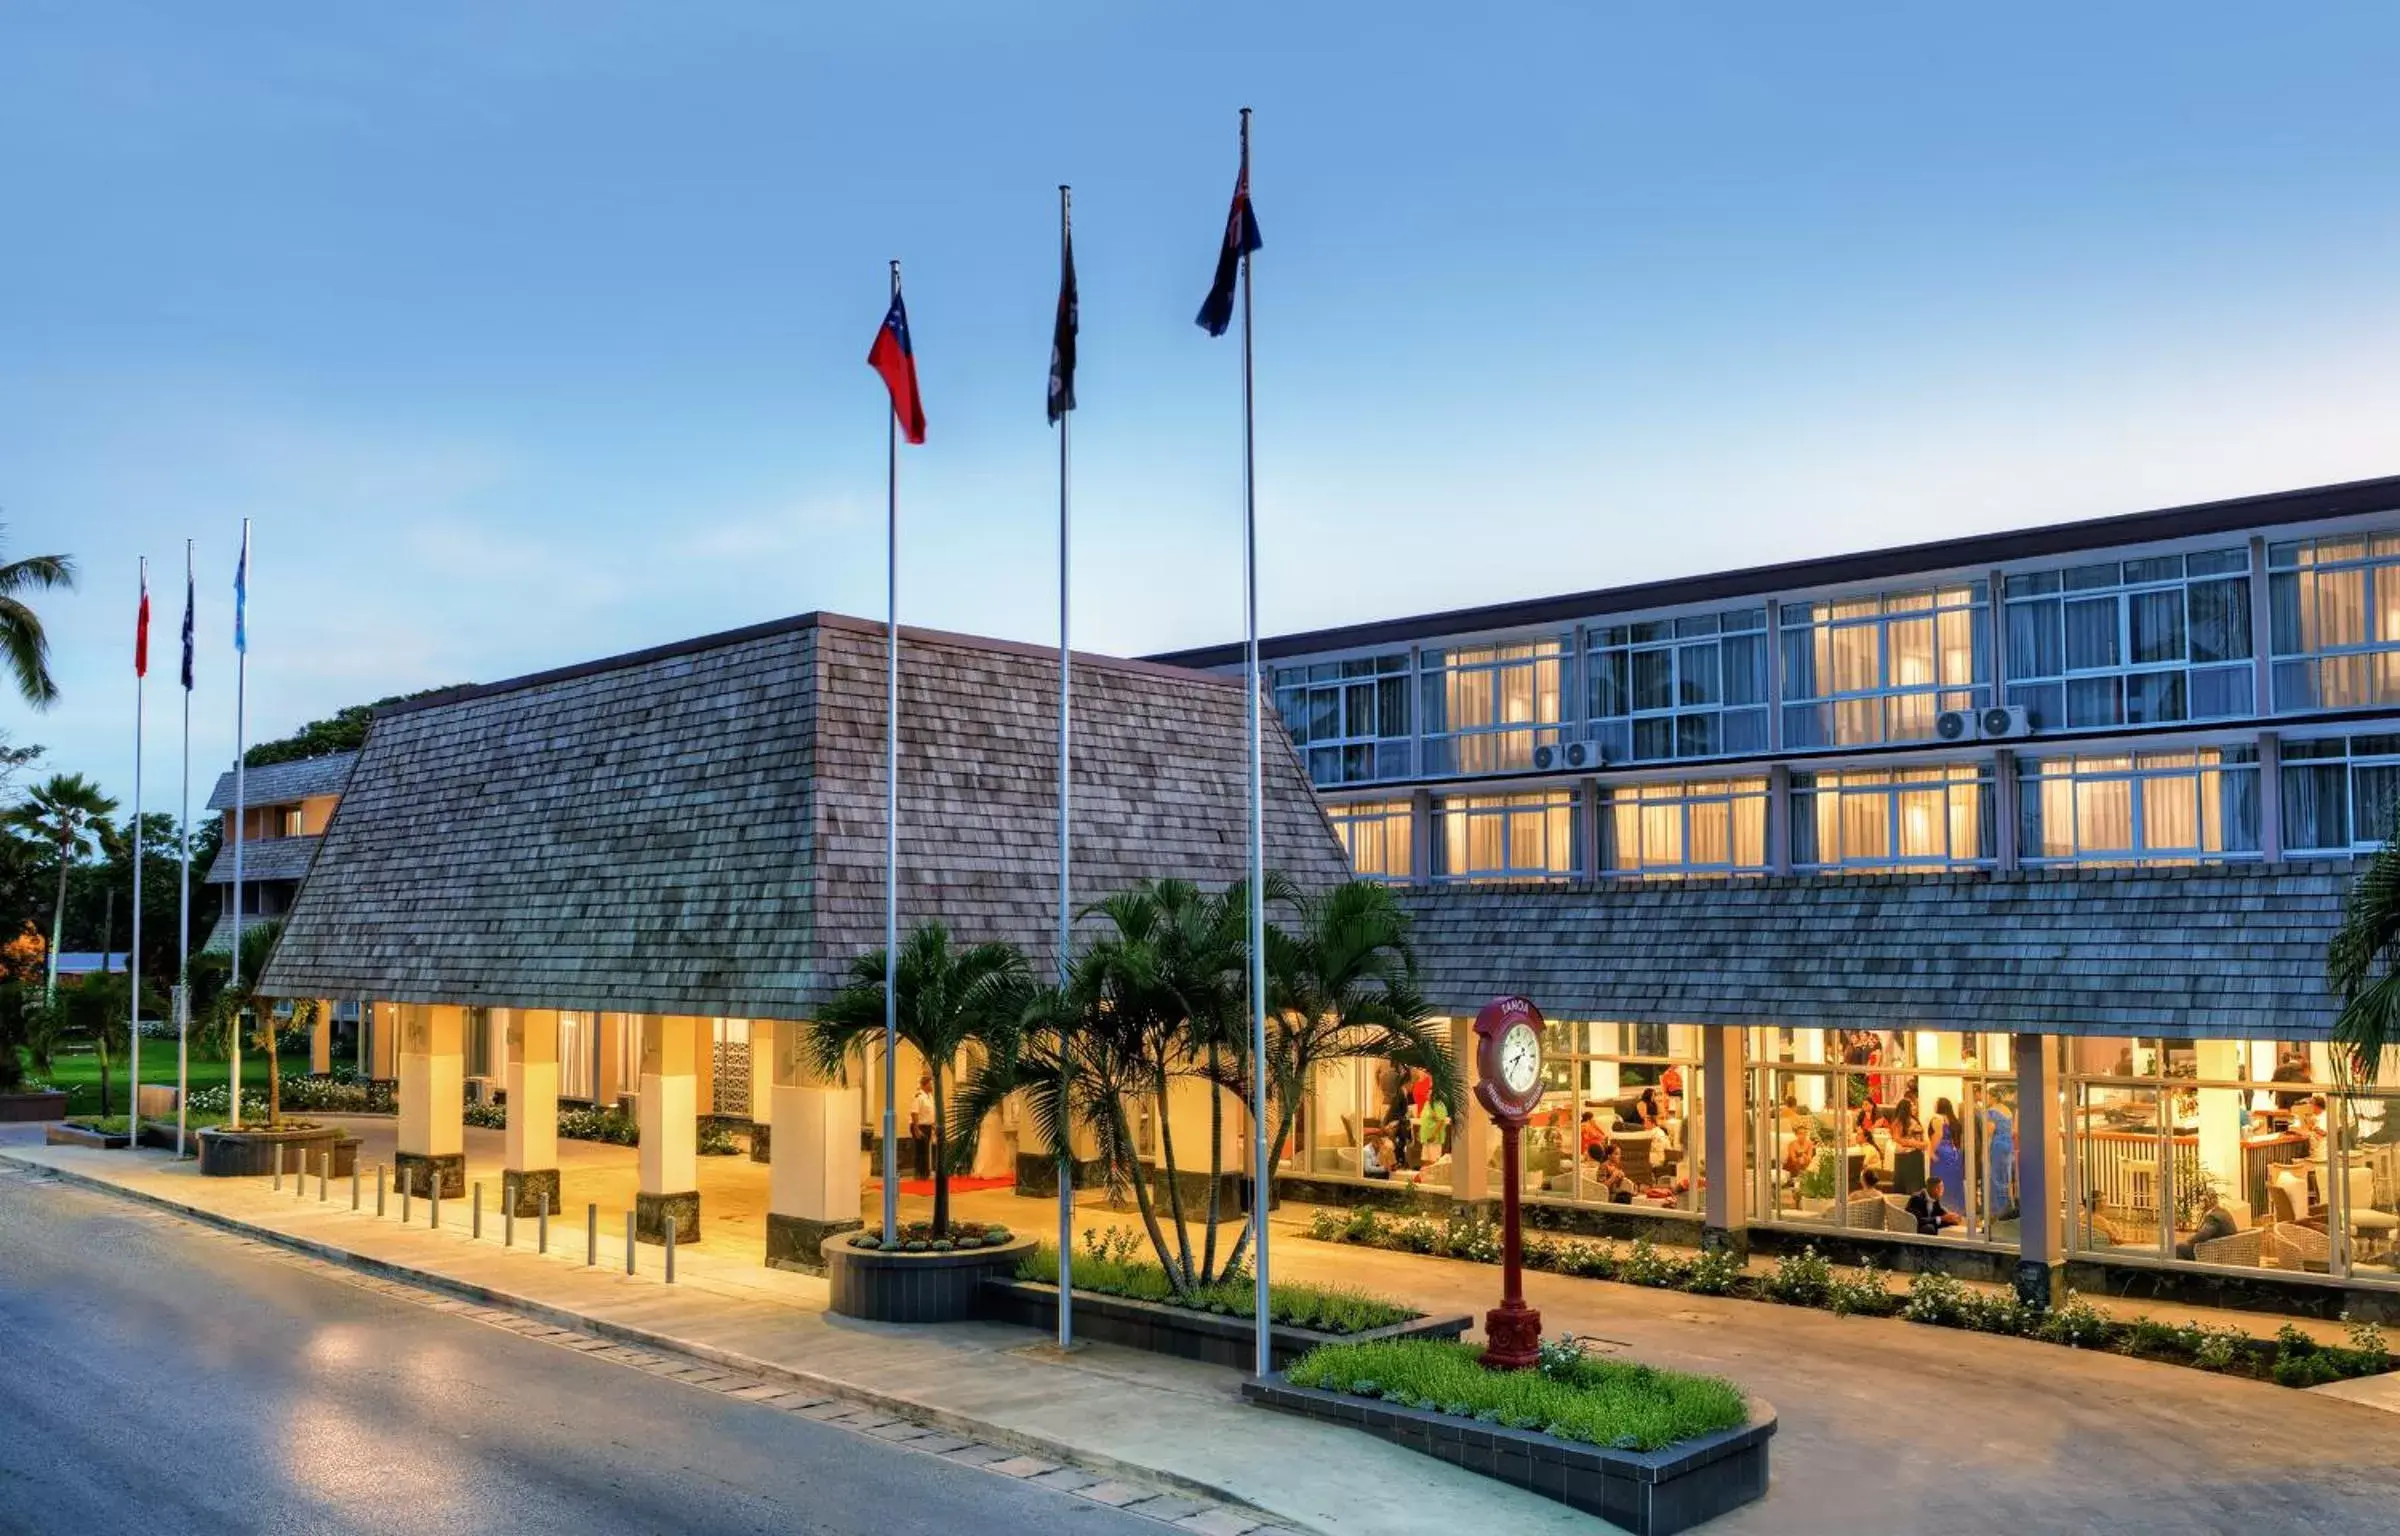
(141, 630)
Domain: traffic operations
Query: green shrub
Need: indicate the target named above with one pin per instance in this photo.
(1713, 1273)
(1935, 1298)
(491, 1117)
(1863, 1293)
(2217, 1349)
(1107, 1267)
(2075, 1323)
(1645, 1265)
(1801, 1279)
(1595, 1401)
(2366, 1342)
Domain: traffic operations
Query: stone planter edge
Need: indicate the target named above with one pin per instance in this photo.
(1181, 1332)
(914, 1287)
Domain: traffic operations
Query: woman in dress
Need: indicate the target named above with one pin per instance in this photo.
(2000, 1157)
(1949, 1151)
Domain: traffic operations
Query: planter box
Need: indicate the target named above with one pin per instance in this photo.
(915, 1287)
(78, 1136)
(1180, 1331)
(1653, 1493)
(243, 1154)
(17, 1108)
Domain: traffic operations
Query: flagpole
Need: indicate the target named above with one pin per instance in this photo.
(1066, 920)
(183, 836)
(133, 960)
(1261, 1177)
(241, 683)
(891, 816)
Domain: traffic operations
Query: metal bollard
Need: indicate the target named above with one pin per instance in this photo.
(405, 1192)
(354, 1184)
(541, 1233)
(433, 1199)
(591, 1233)
(508, 1223)
(300, 1179)
(476, 1231)
(382, 1186)
(324, 1172)
(279, 1165)
(629, 1242)
(670, 1250)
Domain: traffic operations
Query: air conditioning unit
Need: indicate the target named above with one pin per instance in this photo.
(1568, 754)
(2006, 721)
(1957, 725)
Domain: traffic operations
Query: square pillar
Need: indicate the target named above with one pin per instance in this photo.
(670, 1177)
(384, 1049)
(2041, 1193)
(320, 1040)
(1473, 1139)
(1725, 1135)
(812, 1181)
(762, 1090)
(432, 1065)
(529, 1167)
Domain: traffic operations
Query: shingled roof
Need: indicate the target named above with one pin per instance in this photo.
(286, 783)
(266, 858)
(2215, 950)
(699, 829)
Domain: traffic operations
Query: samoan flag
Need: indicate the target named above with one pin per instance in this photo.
(1062, 335)
(241, 597)
(187, 627)
(1241, 238)
(141, 628)
(896, 359)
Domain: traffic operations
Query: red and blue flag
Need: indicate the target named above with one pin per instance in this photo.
(896, 359)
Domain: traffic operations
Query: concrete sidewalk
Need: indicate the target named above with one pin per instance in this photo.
(1105, 1409)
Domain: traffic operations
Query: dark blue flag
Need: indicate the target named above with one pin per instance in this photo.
(1241, 238)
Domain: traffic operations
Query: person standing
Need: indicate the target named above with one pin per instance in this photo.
(920, 1126)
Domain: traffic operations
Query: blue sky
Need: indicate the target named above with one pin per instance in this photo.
(533, 332)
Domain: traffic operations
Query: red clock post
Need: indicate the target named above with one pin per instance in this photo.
(1508, 1084)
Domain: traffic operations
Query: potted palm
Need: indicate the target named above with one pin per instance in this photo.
(257, 1149)
(950, 1000)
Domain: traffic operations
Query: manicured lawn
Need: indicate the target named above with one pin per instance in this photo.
(1600, 1402)
(79, 1074)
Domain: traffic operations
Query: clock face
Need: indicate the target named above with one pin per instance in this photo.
(1521, 1059)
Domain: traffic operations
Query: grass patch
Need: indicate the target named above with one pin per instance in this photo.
(1324, 1308)
(1572, 1396)
(77, 1074)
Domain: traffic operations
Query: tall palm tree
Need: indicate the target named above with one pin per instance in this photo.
(948, 1000)
(238, 1002)
(65, 811)
(1343, 984)
(22, 641)
(2362, 965)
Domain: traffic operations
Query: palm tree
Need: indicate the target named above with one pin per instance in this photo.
(21, 638)
(239, 998)
(949, 999)
(2362, 964)
(64, 812)
(1344, 987)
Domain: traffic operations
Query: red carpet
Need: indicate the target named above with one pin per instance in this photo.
(961, 1186)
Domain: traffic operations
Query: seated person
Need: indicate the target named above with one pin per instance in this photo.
(1870, 1183)
(2215, 1222)
(1612, 1180)
(1593, 1139)
(1931, 1216)
(1799, 1154)
(1381, 1157)
(2104, 1232)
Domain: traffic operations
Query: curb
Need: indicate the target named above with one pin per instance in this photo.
(621, 1333)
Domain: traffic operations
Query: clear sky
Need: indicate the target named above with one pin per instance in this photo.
(531, 332)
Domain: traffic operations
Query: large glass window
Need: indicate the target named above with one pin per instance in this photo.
(1368, 1118)
(1486, 707)
(1713, 827)
(1893, 818)
(1377, 833)
(2132, 642)
(1505, 837)
(2340, 794)
(1619, 1123)
(1349, 718)
(2139, 808)
(2334, 611)
(1679, 688)
(2239, 1154)
(1882, 1130)
(1862, 670)
(579, 1056)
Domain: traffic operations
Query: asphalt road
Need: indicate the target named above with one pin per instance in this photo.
(154, 1378)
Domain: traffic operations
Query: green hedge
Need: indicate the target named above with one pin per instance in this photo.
(1572, 1396)
(1104, 1268)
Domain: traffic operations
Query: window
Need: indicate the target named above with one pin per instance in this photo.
(1717, 827)
(2132, 642)
(1893, 818)
(2340, 794)
(1377, 834)
(1505, 837)
(2334, 619)
(1487, 707)
(1679, 688)
(1349, 718)
(1873, 669)
(290, 820)
(1852, 1122)
(579, 1056)
(1620, 1118)
(2140, 808)
(476, 1026)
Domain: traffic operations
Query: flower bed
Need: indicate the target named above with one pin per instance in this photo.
(1806, 1279)
(1106, 1268)
(917, 1237)
(1652, 1451)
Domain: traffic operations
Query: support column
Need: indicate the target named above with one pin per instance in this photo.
(2041, 1144)
(320, 1040)
(386, 1045)
(762, 1090)
(433, 1076)
(670, 1176)
(1725, 1136)
(1473, 1141)
(529, 1167)
(813, 1183)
